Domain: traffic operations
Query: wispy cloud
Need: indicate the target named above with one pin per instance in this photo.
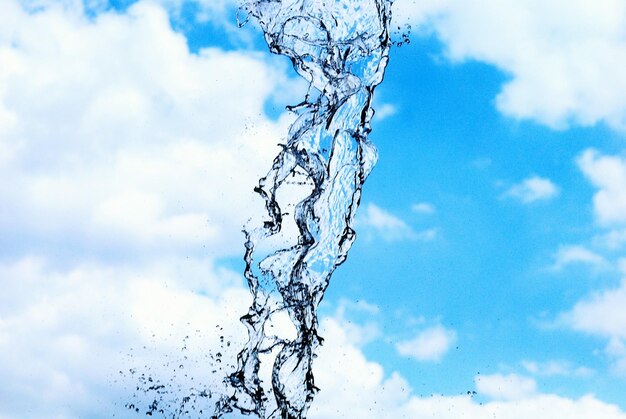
(577, 255)
(613, 240)
(384, 224)
(424, 208)
(385, 111)
(556, 368)
(375, 222)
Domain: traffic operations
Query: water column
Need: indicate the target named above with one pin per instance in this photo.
(341, 47)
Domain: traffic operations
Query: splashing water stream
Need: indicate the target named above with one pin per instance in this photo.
(311, 192)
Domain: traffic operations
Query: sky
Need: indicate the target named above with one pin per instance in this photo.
(489, 274)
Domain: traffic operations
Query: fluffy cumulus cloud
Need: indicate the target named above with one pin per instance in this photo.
(359, 333)
(126, 169)
(66, 332)
(532, 189)
(601, 313)
(113, 138)
(355, 387)
(563, 59)
(429, 345)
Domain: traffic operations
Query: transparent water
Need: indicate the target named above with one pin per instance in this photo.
(311, 194)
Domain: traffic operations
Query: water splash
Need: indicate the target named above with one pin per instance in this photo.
(176, 385)
(311, 192)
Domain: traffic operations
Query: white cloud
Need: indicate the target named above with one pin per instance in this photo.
(568, 255)
(612, 240)
(616, 348)
(533, 189)
(374, 222)
(359, 333)
(65, 332)
(563, 58)
(385, 111)
(506, 387)
(556, 368)
(354, 387)
(128, 169)
(118, 143)
(428, 234)
(601, 314)
(608, 175)
(424, 208)
(429, 345)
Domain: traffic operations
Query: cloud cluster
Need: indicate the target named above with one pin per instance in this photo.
(66, 333)
(126, 169)
(600, 313)
(117, 139)
(563, 60)
(353, 386)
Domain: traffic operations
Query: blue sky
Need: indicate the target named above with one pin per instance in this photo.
(492, 232)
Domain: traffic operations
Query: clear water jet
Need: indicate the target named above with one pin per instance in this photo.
(311, 193)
